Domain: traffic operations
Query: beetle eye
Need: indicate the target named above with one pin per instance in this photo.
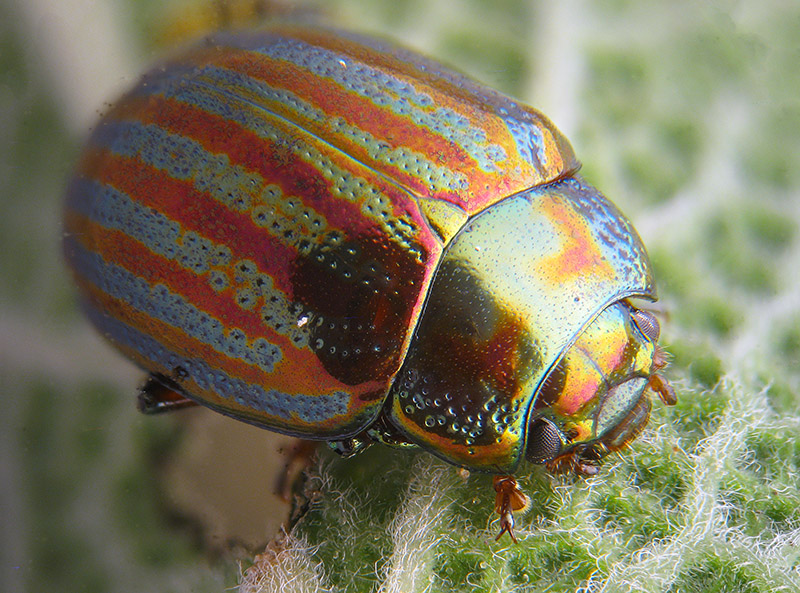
(647, 324)
(544, 441)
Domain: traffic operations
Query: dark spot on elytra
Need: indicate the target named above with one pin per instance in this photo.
(365, 288)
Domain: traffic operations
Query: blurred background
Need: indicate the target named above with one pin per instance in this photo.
(686, 114)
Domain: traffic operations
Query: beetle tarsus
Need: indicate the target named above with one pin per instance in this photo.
(657, 382)
(507, 526)
(510, 499)
(664, 390)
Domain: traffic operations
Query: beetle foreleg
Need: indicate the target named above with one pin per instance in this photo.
(510, 499)
(507, 526)
(664, 390)
(658, 383)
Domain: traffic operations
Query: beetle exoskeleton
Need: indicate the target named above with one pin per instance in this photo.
(336, 238)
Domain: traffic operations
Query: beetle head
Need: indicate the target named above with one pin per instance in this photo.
(597, 398)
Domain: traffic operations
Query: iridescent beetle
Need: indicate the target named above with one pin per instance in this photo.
(335, 238)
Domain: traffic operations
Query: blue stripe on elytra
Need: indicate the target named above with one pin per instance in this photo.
(245, 88)
(521, 124)
(183, 159)
(308, 408)
(529, 140)
(390, 92)
(232, 185)
(112, 209)
(160, 303)
(225, 92)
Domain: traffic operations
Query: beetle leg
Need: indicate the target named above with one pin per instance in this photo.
(298, 457)
(510, 499)
(382, 431)
(572, 464)
(160, 394)
(507, 526)
(658, 383)
(664, 390)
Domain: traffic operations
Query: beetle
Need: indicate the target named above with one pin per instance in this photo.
(333, 237)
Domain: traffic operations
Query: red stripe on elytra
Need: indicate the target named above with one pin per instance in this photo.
(180, 201)
(277, 163)
(381, 122)
(121, 249)
(388, 62)
(292, 374)
(299, 367)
